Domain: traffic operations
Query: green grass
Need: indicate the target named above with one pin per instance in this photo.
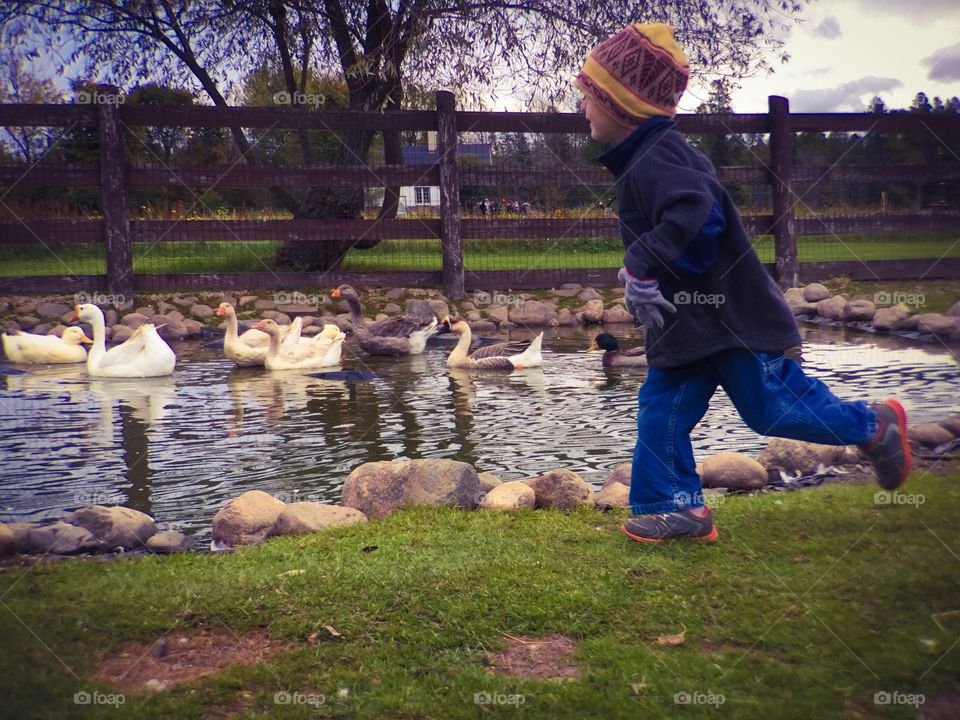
(506, 254)
(810, 604)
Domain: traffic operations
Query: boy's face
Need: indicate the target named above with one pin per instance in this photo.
(602, 126)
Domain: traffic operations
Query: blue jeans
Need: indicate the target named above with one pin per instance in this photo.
(770, 392)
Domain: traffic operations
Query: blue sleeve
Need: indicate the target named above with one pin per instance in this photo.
(701, 253)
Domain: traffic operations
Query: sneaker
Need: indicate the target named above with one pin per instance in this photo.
(668, 526)
(889, 450)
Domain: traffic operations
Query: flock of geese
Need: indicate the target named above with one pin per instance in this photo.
(278, 347)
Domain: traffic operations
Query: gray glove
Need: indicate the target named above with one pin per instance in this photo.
(644, 300)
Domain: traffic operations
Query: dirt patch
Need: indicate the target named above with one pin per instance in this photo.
(542, 658)
(185, 656)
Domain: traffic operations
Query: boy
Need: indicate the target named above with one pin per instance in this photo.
(727, 324)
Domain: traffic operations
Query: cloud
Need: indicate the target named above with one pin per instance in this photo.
(817, 72)
(944, 64)
(828, 29)
(919, 11)
(846, 96)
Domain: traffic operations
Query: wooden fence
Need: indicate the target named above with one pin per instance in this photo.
(116, 232)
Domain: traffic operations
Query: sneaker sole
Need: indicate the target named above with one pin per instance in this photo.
(709, 537)
(904, 441)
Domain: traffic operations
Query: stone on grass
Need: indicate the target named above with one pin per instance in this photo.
(614, 495)
(593, 311)
(21, 533)
(929, 434)
(815, 292)
(561, 489)
(169, 542)
(858, 310)
(61, 538)
(620, 474)
(8, 542)
(832, 308)
(488, 481)
(378, 488)
(116, 526)
(394, 293)
(308, 517)
(247, 519)
(589, 294)
(515, 495)
(733, 470)
(792, 455)
(391, 309)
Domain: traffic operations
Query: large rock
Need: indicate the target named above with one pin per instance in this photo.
(561, 489)
(21, 534)
(832, 308)
(515, 495)
(952, 424)
(307, 517)
(815, 292)
(440, 307)
(929, 434)
(793, 455)
(616, 314)
(565, 318)
(488, 481)
(247, 519)
(377, 488)
(889, 318)
(532, 312)
(116, 526)
(937, 324)
(796, 302)
(614, 495)
(593, 311)
(278, 317)
(61, 538)
(498, 313)
(589, 294)
(8, 542)
(121, 333)
(201, 311)
(134, 320)
(421, 309)
(621, 474)
(733, 470)
(173, 331)
(169, 542)
(858, 310)
(52, 310)
(482, 326)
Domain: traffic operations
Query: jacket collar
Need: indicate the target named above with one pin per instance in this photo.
(617, 158)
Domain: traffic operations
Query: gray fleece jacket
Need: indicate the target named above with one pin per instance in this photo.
(680, 227)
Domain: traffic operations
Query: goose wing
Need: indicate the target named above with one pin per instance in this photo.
(500, 350)
(400, 326)
(128, 351)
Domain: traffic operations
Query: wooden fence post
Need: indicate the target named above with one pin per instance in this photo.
(113, 188)
(450, 242)
(781, 168)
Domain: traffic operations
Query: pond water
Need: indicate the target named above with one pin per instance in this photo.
(179, 447)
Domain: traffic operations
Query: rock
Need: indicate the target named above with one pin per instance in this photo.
(929, 434)
(488, 481)
(391, 309)
(171, 316)
(169, 542)
(589, 294)
(28, 322)
(440, 308)
(889, 317)
(507, 325)
(173, 331)
(561, 489)
(185, 301)
(498, 313)
(954, 310)
(42, 329)
(858, 310)
(532, 313)
(593, 311)
(473, 316)
(952, 424)
(264, 305)
(468, 305)
(146, 311)
(565, 318)
(52, 310)
(794, 294)
(377, 488)
(134, 320)
(8, 542)
(571, 286)
(515, 495)
(201, 312)
(614, 495)
(11, 327)
(121, 333)
(815, 292)
(620, 474)
(21, 534)
(394, 293)
(566, 292)
(937, 324)
(164, 307)
(116, 526)
(381, 316)
(616, 314)
(57, 330)
(482, 326)
(421, 309)
(194, 327)
(247, 299)
(831, 308)
(278, 317)
(61, 538)
(247, 519)
(307, 517)
(793, 455)
(733, 470)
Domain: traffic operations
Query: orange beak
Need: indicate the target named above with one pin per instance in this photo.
(76, 313)
(86, 340)
(336, 293)
(258, 326)
(221, 310)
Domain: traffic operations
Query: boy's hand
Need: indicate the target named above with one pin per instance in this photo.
(644, 300)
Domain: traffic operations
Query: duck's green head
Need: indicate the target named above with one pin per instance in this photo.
(604, 341)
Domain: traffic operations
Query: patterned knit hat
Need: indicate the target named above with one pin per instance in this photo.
(637, 73)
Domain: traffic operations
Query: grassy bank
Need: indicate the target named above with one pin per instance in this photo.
(810, 604)
(506, 254)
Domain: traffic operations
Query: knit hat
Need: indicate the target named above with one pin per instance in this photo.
(637, 73)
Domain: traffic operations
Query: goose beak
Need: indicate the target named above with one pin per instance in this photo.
(258, 326)
(221, 310)
(76, 313)
(593, 346)
(336, 293)
(85, 339)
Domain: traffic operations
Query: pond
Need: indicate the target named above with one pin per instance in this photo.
(180, 447)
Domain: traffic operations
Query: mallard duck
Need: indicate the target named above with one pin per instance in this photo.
(299, 357)
(401, 335)
(26, 348)
(517, 354)
(144, 354)
(613, 356)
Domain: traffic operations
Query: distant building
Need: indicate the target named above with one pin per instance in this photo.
(428, 196)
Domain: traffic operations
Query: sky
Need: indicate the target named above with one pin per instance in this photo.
(847, 51)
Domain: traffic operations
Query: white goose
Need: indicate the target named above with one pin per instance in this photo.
(250, 348)
(145, 354)
(26, 348)
(300, 357)
(514, 355)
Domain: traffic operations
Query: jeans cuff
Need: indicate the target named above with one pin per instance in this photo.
(666, 506)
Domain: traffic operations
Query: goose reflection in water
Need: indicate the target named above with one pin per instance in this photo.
(276, 394)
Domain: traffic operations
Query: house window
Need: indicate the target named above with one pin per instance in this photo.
(421, 195)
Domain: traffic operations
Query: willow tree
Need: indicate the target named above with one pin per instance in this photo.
(377, 47)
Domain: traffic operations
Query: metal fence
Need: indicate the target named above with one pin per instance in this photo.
(117, 198)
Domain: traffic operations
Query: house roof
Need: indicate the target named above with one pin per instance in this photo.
(420, 155)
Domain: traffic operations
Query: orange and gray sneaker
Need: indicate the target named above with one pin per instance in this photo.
(695, 524)
(889, 450)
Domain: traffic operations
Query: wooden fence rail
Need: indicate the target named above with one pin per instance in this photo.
(115, 176)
